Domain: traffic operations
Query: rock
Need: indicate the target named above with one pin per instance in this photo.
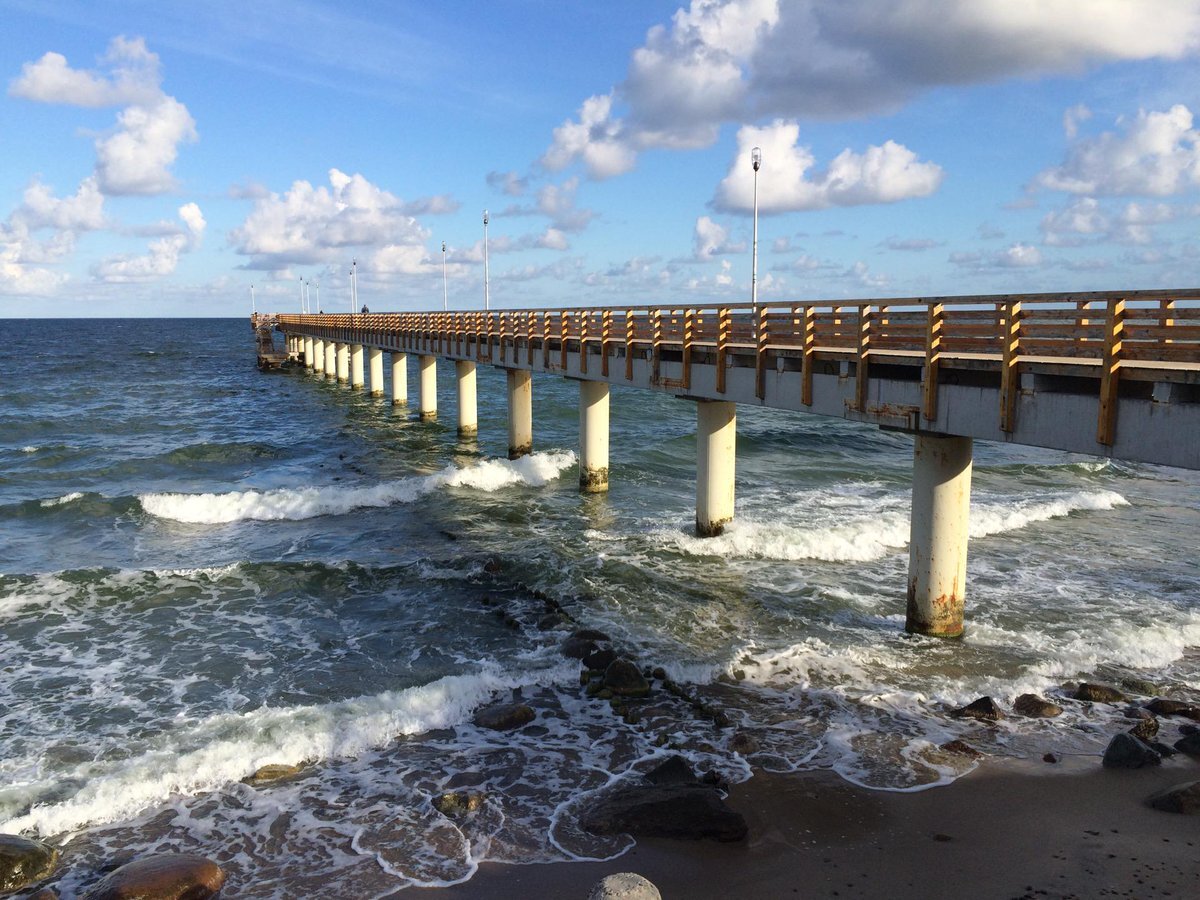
(504, 716)
(1163, 707)
(23, 861)
(1050, 757)
(743, 743)
(600, 659)
(984, 708)
(273, 772)
(1189, 744)
(574, 647)
(1146, 729)
(680, 811)
(1140, 686)
(962, 748)
(1036, 707)
(713, 778)
(165, 876)
(624, 680)
(1182, 798)
(1136, 712)
(1162, 749)
(456, 804)
(1098, 693)
(590, 634)
(493, 566)
(550, 621)
(675, 770)
(1128, 752)
(624, 886)
(659, 672)
(1189, 729)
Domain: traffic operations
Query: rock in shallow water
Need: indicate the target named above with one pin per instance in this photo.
(23, 861)
(1182, 798)
(624, 679)
(624, 886)
(1146, 729)
(273, 772)
(1189, 744)
(1163, 707)
(504, 717)
(1128, 752)
(984, 708)
(1036, 707)
(456, 804)
(681, 811)
(1098, 693)
(165, 876)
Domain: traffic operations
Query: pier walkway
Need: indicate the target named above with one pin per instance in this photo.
(1113, 374)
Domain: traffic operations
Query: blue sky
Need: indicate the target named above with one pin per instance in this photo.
(159, 158)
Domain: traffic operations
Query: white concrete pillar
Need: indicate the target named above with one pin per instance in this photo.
(468, 415)
(716, 452)
(375, 357)
(343, 362)
(593, 437)
(399, 379)
(428, 368)
(937, 549)
(520, 412)
(319, 356)
(331, 360)
(309, 353)
(356, 366)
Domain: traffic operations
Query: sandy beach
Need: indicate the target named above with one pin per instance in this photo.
(1010, 829)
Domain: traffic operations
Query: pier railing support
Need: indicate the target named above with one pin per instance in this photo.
(428, 402)
(937, 550)
(319, 356)
(593, 437)
(399, 379)
(343, 362)
(520, 412)
(356, 366)
(468, 415)
(375, 366)
(331, 360)
(716, 440)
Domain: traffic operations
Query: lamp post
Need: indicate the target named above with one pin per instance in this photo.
(445, 294)
(253, 305)
(301, 294)
(317, 282)
(756, 161)
(353, 286)
(487, 303)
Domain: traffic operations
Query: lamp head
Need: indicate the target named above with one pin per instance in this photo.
(756, 158)
(485, 217)
(443, 246)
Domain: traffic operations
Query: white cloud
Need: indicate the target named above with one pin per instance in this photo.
(509, 183)
(711, 240)
(1081, 219)
(1085, 220)
(883, 174)
(136, 159)
(1072, 117)
(161, 258)
(1015, 256)
(596, 139)
(23, 253)
(133, 78)
(1157, 154)
(553, 239)
(82, 212)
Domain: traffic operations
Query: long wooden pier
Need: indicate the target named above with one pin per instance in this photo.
(1113, 374)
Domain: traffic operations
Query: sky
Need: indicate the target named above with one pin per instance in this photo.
(161, 158)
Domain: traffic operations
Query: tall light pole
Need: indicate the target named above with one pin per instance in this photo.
(353, 286)
(445, 294)
(253, 305)
(756, 161)
(487, 304)
(317, 282)
(301, 294)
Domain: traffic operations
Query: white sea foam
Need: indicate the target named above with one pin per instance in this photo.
(30, 449)
(66, 498)
(534, 470)
(228, 747)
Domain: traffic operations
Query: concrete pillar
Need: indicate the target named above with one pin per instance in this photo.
(937, 549)
(468, 416)
(593, 437)
(309, 353)
(428, 367)
(399, 379)
(716, 440)
(319, 356)
(375, 357)
(356, 366)
(343, 362)
(331, 360)
(520, 412)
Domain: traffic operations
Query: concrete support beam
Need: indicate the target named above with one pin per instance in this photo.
(593, 437)
(309, 351)
(399, 379)
(343, 362)
(375, 360)
(937, 550)
(319, 356)
(520, 412)
(468, 414)
(716, 442)
(428, 368)
(331, 360)
(356, 366)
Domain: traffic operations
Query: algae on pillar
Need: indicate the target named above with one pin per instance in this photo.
(593, 437)
(716, 448)
(399, 379)
(468, 414)
(375, 360)
(937, 548)
(520, 412)
(428, 369)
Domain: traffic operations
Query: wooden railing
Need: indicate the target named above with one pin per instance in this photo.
(1101, 334)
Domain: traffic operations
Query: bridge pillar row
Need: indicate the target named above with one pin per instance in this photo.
(375, 367)
(468, 411)
(428, 403)
(716, 442)
(593, 437)
(343, 363)
(937, 549)
(520, 412)
(309, 349)
(319, 356)
(399, 379)
(356, 367)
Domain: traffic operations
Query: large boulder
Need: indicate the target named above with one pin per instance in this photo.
(504, 716)
(1161, 706)
(680, 811)
(1036, 707)
(1128, 752)
(984, 709)
(674, 770)
(1146, 729)
(1182, 798)
(1189, 744)
(273, 772)
(1098, 693)
(23, 861)
(165, 876)
(624, 886)
(624, 679)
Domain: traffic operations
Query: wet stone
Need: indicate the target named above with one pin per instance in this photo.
(273, 772)
(1146, 729)
(1189, 744)
(624, 886)
(674, 770)
(1098, 693)
(550, 621)
(165, 876)
(600, 659)
(1140, 686)
(1035, 707)
(575, 647)
(1181, 798)
(456, 804)
(744, 743)
(1161, 706)
(23, 861)
(961, 748)
(1128, 752)
(504, 716)
(687, 812)
(623, 679)
(984, 709)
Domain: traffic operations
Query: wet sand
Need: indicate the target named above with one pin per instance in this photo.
(1010, 829)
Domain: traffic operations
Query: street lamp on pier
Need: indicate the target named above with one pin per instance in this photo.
(756, 161)
(487, 303)
(445, 294)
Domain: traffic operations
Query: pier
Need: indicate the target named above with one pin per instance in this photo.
(1112, 374)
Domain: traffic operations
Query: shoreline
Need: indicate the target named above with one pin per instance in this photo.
(1009, 829)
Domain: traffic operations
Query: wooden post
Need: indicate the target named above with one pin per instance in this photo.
(1110, 372)
(760, 355)
(724, 328)
(1010, 371)
(689, 328)
(861, 374)
(629, 333)
(605, 336)
(933, 359)
(807, 360)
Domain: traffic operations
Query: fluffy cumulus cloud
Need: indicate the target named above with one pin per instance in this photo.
(1085, 220)
(720, 61)
(1015, 256)
(43, 231)
(881, 174)
(132, 77)
(162, 257)
(711, 240)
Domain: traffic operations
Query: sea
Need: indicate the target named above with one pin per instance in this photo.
(206, 569)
